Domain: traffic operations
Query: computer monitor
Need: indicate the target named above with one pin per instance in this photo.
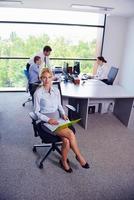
(58, 70)
(65, 67)
(76, 69)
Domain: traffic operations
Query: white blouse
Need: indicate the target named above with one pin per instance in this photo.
(101, 72)
(47, 102)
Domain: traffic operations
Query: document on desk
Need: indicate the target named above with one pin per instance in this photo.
(62, 124)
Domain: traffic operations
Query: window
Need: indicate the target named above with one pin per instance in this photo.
(72, 36)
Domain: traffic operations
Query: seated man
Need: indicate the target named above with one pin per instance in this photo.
(34, 75)
(47, 107)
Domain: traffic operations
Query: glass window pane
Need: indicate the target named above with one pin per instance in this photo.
(11, 73)
(78, 38)
(66, 41)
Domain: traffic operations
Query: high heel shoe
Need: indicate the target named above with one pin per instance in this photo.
(67, 170)
(86, 166)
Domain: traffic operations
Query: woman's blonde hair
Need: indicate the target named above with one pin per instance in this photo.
(46, 70)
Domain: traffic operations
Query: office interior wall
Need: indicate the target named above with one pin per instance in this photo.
(114, 41)
(127, 72)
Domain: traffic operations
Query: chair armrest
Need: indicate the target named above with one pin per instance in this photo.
(39, 84)
(70, 107)
(33, 116)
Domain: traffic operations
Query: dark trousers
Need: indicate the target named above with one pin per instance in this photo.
(32, 89)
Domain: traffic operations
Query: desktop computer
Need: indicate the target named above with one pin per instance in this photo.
(71, 73)
(76, 69)
(58, 70)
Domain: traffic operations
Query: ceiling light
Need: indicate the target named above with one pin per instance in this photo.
(10, 3)
(92, 8)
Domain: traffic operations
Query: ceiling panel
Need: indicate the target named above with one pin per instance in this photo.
(121, 7)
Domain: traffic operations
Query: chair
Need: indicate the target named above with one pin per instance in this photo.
(111, 76)
(27, 87)
(48, 140)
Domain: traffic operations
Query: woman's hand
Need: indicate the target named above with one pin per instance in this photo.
(65, 117)
(53, 121)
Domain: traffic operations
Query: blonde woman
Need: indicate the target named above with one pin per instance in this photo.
(48, 108)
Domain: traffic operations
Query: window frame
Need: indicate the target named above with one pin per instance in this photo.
(65, 24)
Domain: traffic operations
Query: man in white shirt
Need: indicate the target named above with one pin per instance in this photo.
(44, 55)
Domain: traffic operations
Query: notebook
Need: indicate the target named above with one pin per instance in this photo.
(62, 124)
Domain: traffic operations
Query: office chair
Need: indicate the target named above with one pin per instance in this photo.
(48, 140)
(27, 87)
(111, 76)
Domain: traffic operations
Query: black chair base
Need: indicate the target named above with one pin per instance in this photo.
(48, 140)
(53, 147)
(28, 100)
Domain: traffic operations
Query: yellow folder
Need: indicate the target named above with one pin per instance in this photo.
(70, 123)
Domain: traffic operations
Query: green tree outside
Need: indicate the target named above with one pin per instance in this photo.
(11, 70)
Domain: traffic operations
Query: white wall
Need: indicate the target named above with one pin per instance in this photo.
(114, 43)
(127, 74)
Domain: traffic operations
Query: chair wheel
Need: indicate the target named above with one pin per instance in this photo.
(41, 166)
(34, 149)
(23, 104)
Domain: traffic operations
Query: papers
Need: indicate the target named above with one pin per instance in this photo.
(62, 124)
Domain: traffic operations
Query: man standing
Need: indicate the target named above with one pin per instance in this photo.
(44, 55)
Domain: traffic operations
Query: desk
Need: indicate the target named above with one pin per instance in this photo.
(80, 96)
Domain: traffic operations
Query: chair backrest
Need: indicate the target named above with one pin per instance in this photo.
(112, 75)
(34, 122)
(26, 74)
(57, 84)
